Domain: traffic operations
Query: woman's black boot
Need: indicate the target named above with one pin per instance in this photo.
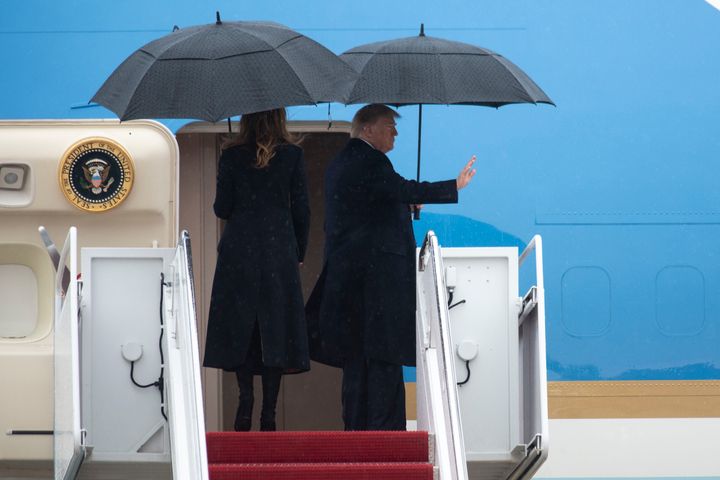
(271, 388)
(243, 416)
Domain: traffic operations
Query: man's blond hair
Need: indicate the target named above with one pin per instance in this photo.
(368, 115)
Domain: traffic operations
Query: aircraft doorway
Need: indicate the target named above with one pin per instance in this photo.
(308, 401)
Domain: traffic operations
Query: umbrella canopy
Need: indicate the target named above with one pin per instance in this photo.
(219, 70)
(421, 69)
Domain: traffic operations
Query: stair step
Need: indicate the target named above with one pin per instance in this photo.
(322, 471)
(316, 447)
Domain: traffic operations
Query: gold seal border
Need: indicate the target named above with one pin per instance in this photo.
(126, 163)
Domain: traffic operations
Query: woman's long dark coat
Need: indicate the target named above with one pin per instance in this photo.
(257, 277)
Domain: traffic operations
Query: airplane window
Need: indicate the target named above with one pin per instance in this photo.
(18, 301)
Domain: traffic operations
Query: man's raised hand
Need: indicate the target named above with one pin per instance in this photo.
(466, 174)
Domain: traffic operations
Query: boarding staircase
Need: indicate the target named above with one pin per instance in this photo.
(481, 372)
(319, 455)
(491, 427)
(131, 318)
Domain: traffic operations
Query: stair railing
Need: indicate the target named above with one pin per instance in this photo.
(68, 445)
(185, 407)
(437, 396)
(534, 431)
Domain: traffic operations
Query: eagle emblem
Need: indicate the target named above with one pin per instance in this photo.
(96, 173)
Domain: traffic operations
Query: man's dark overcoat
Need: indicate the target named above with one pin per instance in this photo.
(364, 300)
(257, 277)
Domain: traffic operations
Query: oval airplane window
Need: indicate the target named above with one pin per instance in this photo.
(18, 301)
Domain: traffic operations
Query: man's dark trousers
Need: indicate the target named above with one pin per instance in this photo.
(373, 395)
(373, 391)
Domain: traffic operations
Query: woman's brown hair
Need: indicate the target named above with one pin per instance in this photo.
(266, 130)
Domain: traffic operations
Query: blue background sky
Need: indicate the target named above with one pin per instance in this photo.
(620, 178)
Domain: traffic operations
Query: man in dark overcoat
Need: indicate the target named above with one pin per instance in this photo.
(361, 313)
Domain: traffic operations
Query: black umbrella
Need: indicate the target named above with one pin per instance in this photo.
(224, 69)
(427, 70)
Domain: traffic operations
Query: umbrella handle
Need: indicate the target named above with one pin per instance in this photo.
(416, 213)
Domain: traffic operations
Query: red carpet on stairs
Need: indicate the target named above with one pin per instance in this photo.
(319, 455)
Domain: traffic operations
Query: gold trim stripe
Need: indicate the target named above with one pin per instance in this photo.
(634, 399)
(410, 400)
(626, 399)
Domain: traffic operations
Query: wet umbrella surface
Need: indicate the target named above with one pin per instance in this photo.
(216, 71)
(422, 69)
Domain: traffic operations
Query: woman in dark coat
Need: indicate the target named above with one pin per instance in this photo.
(257, 320)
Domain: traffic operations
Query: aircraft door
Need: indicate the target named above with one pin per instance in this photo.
(310, 401)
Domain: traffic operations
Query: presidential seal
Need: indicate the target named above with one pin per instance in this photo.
(96, 174)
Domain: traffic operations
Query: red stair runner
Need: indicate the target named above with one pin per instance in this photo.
(319, 455)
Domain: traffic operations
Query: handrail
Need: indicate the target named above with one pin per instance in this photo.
(54, 255)
(68, 449)
(536, 245)
(534, 307)
(187, 420)
(435, 346)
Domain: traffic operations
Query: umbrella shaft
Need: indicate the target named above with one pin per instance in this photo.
(419, 139)
(416, 211)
